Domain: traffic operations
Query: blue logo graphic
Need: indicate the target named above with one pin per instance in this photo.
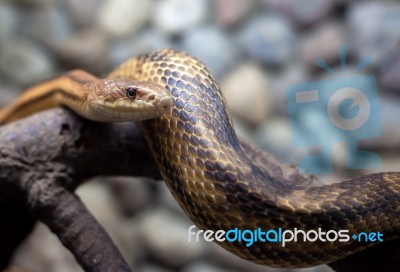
(340, 110)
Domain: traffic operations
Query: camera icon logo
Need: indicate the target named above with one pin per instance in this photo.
(340, 110)
(358, 98)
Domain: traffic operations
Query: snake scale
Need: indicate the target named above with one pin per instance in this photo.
(221, 185)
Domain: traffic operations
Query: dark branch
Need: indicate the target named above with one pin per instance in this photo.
(43, 159)
(77, 229)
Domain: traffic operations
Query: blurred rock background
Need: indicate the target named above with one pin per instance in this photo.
(255, 48)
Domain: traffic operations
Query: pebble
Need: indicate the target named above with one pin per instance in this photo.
(50, 25)
(124, 232)
(292, 74)
(87, 50)
(35, 2)
(390, 163)
(213, 47)
(243, 130)
(231, 262)
(25, 62)
(165, 235)
(43, 251)
(389, 115)
(324, 42)
(8, 94)
(83, 13)
(221, 257)
(275, 135)
(389, 74)
(141, 43)
(132, 194)
(201, 267)
(229, 13)
(314, 130)
(302, 12)
(247, 93)
(8, 22)
(175, 16)
(268, 38)
(123, 17)
(374, 29)
(165, 199)
(152, 268)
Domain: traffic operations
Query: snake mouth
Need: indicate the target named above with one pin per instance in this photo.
(158, 100)
(146, 106)
(165, 104)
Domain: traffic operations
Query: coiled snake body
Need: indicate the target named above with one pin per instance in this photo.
(219, 186)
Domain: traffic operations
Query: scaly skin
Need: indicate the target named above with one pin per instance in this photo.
(219, 187)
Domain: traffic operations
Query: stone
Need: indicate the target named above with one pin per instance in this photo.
(123, 17)
(247, 93)
(83, 13)
(312, 123)
(219, 256)
(132, 194)
(166, 199)
(39, 3)
(25, 62)
(141, 43)
(268, 38)
(87, 50)
(229, 13)
(374, 29)
(175, 16)
(124, 231)
(8, 94)
(390, 163)
(203, 266)
(389, 110)
(389, 74)
(43, 251)
(275, 136)
(8, 22)
(302, 12)
(323, 42)
(294, 73)
(50, 25)
(152, 268)
(165, 235)
(213, 47)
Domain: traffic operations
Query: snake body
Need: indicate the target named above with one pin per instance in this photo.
(220, 186)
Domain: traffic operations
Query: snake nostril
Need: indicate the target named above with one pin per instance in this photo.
(165, 103)
(152, 97)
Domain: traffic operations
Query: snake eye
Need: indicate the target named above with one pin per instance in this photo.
(131, 92)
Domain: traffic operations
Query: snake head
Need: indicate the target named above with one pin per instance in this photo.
(123, 99)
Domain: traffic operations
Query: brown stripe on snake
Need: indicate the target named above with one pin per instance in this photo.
(105, 100)
(218, 184)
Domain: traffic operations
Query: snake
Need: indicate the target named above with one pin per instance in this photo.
(220, 183)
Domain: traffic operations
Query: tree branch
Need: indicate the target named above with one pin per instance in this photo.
(43, 159)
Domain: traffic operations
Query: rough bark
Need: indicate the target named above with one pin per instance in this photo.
(43, 159)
